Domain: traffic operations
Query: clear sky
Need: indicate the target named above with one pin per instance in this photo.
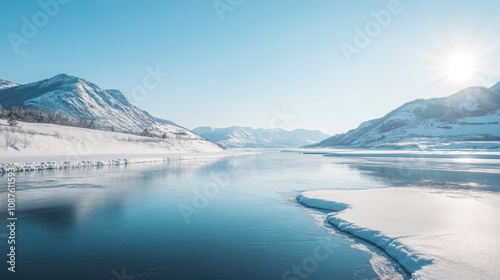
(328, 65)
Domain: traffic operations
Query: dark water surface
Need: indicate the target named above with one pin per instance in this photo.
(213, 218)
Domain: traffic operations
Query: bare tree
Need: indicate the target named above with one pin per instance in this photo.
(9, 139)
(92, 124)
(26, 140)
(146, 133)
(12, 121)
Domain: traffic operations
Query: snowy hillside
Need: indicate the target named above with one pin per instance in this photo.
(6, 84)
(82, 100)
(247, 137)
(48, 142)
(467, 119)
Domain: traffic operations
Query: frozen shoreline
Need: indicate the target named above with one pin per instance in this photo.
(40, 146)
(378, 153)
(103, 160)
(56, 165)
(433, 234)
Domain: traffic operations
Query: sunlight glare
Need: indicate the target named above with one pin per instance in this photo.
(460, 67)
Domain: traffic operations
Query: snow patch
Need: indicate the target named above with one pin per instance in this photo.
(7, 84)
(51, 165)
(405, 256)
(433, 234)
(37, 142)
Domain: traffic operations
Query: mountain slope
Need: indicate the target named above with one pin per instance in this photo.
(51, 142)
(472, 114)
(246, 137)
(6, 84)
(79, 99)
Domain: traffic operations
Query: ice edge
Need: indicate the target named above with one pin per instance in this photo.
(58, 165)
(410, 260)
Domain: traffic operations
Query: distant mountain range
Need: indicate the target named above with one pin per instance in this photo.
(79, 99)
(247, 137)
(467, 119)
(6, 84)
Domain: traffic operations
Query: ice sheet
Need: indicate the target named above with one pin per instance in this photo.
(433, 234)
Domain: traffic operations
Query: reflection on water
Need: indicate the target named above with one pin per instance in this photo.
(94, 222)
(483, 174)
(54, 217)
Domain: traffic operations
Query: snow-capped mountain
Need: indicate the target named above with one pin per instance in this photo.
(79, 99)
(469, 119)
(247, 137)
(6, 84)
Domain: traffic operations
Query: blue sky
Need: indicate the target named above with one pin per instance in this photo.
(262, 59)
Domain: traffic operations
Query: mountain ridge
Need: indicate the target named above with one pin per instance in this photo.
(471, 114)
(7, 84)
(79, 99)
(247, 137)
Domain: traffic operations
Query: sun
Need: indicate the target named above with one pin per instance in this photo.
(461, 66)
(452, 64)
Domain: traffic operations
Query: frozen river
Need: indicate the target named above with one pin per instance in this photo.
(213, 218)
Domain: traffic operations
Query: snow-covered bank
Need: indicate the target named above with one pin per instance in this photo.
(35, 146)
(28, 142)
(413, 154)
(51, 165)
(438, 153)
(433, 234)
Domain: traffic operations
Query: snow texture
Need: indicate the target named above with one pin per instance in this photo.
(7, 84)
(50, 165)
(247, 137)
(79, 99)
(34, 143)
(433, 234)
(469, 116)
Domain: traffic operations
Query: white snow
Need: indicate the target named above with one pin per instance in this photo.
(79, 99)
(449, 154)
(470, 115)
(247, 137)
(50, 165)
(434, 234)
(427, 136)
(73, 146)
(496, 88)
(7, 84)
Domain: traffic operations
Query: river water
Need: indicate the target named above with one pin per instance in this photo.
(209, 218)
